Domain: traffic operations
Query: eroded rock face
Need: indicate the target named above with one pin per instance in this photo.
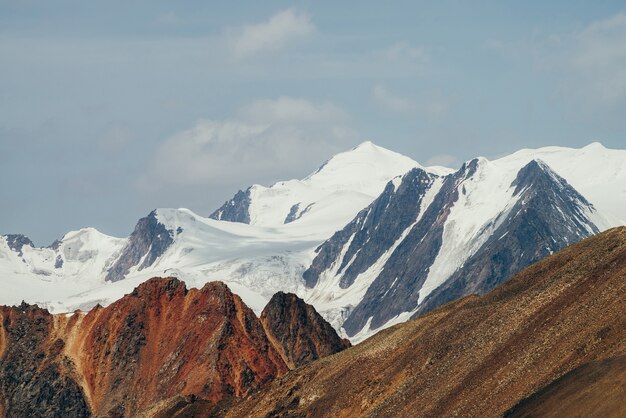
(166, 340)
(236, 209)
(399, 238)
(149, 241)
(161, 348)
(373, 231)
(299, 333)
(549, 216)
(162, 341)
(36, 377)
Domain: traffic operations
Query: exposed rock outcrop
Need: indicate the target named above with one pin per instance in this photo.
(162, 348)
(298, 332)
(149, 241)
(548, 216)
(373, 231)
(17, 241)
(236, 209)
(36, 378)
(399, 241)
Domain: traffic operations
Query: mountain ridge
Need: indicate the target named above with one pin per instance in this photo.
(257, 261)
(478, 355)
(160, 342)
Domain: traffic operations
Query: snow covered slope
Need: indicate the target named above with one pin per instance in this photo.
(370, 238)
(77, 262)
(431, 238)
(256, 260)
(332, 195)
(598, 173)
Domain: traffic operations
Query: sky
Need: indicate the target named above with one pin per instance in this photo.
(109, 109)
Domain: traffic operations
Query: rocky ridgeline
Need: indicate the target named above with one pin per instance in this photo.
(162, 344)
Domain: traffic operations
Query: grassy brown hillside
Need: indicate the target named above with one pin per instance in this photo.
(557, 322)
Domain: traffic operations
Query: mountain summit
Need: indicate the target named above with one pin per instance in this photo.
(343, 184)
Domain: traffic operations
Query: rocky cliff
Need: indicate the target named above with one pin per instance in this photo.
(159, 345)
(299, 333)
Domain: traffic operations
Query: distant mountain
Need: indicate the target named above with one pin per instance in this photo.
(256, 260)
(370, 239)
(549, 342)
(429, 239)
(338, 189)
(161, 345)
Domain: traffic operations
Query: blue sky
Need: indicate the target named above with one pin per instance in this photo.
(109, 109)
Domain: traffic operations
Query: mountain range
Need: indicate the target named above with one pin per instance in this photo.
(548, 342)
(371, 239)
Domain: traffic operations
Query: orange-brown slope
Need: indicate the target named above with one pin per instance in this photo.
(299, 333)
(161, 341)
(36, 379)
(478, 356)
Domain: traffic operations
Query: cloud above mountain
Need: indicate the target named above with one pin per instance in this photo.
(281, 30)
(266, 139)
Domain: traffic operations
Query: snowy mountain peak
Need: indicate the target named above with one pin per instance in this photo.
(594, 145)
(330, 196)
(367, 144)
(358, 160)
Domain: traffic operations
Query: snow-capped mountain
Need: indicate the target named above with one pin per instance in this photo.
(256, 259)
(429, 239)
(341, 187)
(370, 239)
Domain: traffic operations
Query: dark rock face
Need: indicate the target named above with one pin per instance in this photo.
(36, 378)
(235, 209)
(293, 211)
(293, 214)
(373, 231)
(547, 217)
(299, 333)
(396, 289)
(163, 341)
(17, 241)
(58, 262)
(55, 245)
(150, 238)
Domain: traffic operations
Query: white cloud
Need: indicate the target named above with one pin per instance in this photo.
(392, 102)
(268, 140)
(279, 31)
